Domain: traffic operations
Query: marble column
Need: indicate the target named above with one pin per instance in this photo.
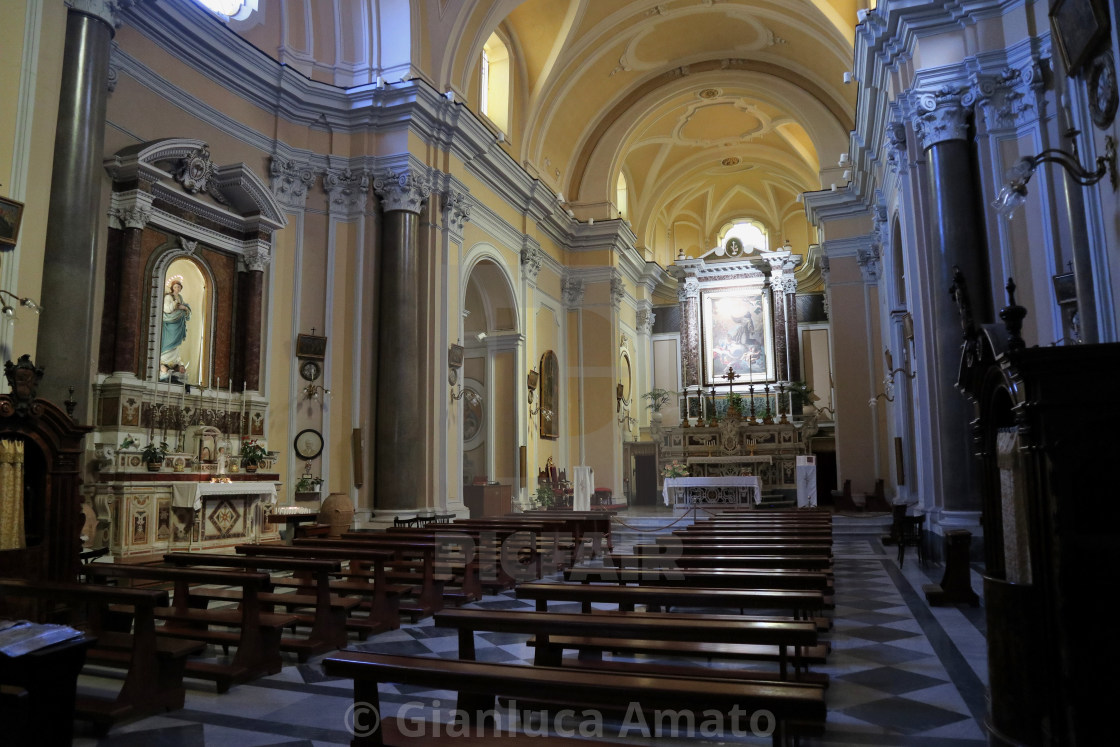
(126, 353)
(793, 341)
(688, 296)
(777, 301)
(398, 401)
(941, 121)
(252, 285)
(66, 329)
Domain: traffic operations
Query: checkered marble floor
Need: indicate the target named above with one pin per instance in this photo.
(902, 673)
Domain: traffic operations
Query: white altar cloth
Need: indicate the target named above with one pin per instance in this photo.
(190, 494)
(583, 485)
(677, 487)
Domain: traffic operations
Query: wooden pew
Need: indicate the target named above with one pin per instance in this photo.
(802, 605)
(411, 568)
(660, 560)
(708, 577)
(714, 538)
(255, 633)
(504, 556)
(327, 619)
(671, 544)
(477, 684)
(153, 681)
(639, 632)
(381, 598)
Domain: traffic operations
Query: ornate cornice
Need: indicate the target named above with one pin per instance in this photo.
(457, 208)
(531, 258)
(688, 290)
(618, 291)
(290, 181)
(131, 213)
(571, 290)
(257, 258)
(894, 146)
(942, 115)
(347, 191)
(868, 261)
(406, 190)
(1011, 98)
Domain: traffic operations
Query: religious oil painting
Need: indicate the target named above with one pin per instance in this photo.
(550, 395)
(737, 334)
(184, 343)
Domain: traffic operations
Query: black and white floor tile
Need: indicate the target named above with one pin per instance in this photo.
(902, 673)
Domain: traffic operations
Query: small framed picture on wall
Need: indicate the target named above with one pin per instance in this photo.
(11, 215)
(1079, 28)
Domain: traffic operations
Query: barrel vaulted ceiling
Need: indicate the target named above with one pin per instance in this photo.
(713, 110)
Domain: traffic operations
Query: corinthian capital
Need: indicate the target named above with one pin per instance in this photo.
(402, 190)
(689, 289)
(256, 258)
(942, 115)
(531, 259)
(104, 10)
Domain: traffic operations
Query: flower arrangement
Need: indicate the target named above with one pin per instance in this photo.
(676, 469)
(252, 453)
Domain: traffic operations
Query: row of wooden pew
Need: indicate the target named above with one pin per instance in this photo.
(267, 600)
(773, 647)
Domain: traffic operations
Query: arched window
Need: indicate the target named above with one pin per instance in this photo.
(744, 236)
(622, 196)
(494, 88)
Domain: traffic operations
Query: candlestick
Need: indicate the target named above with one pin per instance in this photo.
(241, 417)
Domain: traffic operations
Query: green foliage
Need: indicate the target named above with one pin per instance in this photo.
(658, 398)
(802, 393)
(545, 496)
(252, 452)
(154, 453)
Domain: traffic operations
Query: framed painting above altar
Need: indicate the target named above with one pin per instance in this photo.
(737, 333)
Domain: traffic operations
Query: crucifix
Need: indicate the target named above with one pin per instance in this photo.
(730, 376)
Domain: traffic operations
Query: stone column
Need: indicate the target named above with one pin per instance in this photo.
(793, 342)
(252, 284)
(688, 296)
(126, 353)
(777, 300)
(398, 404)
(66, 330)
(956, 241)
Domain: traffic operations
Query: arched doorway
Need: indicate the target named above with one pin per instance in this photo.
(492, 340)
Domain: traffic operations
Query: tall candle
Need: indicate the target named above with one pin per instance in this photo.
(241, 420)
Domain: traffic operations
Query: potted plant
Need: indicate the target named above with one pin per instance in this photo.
(655, 400)
(153, 455)
(674, 469)
(252, 454)
(545, 496)
(735, 402)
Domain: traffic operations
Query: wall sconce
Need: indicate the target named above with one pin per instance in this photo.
(1014, 191)
(8, 313)
(888, 377)
(532, 380)
(312, 391)
(454, 363)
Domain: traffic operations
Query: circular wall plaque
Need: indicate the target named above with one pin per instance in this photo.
(310, 370)
(308, 443)
(1102, 91)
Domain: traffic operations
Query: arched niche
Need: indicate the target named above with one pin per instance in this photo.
(181, 319)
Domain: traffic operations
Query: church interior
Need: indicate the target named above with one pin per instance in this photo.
(278, 272)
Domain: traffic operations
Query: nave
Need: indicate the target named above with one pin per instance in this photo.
(901, 672)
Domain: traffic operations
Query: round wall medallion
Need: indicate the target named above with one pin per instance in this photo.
(709, 93)
(308, 444)
(1102, 91)
(310, 370)
(731, 161)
